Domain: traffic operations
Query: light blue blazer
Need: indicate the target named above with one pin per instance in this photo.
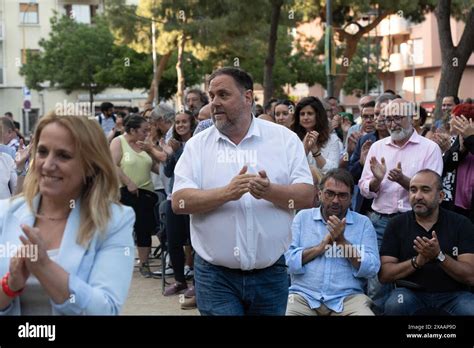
(99, 275)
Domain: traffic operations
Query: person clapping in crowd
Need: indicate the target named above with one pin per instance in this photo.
(458, 171)
(429, 254)
(333, 252)
(312, 127)
(73, 239)
(134, 166)
(177, 225)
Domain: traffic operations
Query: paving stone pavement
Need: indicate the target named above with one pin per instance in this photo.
(145, 297)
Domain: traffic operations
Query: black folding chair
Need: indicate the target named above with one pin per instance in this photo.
(161, 250)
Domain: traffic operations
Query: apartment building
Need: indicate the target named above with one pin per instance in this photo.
(22, 24)
(414, 53)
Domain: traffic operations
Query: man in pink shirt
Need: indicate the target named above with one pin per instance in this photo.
(391, 163)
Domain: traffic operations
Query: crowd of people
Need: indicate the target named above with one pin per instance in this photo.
(290, 208)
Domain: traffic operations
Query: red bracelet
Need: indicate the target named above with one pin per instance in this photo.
(6, 289)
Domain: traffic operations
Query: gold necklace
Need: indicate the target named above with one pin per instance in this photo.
(39, 215)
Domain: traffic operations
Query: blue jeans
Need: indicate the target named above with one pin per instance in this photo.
(403, 301)
(375, 290)
(224, 291)
(380, 223)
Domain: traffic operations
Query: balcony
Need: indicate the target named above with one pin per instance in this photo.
(399, 61)
(394, 25)
(404, 59)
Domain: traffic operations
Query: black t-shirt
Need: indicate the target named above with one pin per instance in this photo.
(455, 235)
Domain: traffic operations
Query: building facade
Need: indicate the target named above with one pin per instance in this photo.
(414, 53)
(22, 24)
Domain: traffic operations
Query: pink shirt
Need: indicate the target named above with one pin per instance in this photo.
(416, 154)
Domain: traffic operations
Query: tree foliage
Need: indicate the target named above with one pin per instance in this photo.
(73, 57)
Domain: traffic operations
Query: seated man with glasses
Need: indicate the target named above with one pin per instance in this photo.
(391, 163)
(333, 252)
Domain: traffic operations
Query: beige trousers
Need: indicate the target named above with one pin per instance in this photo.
(353, 305)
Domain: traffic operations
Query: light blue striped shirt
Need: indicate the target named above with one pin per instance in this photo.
(330, 277)
(8, 150)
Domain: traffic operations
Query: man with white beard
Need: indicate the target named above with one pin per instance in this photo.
(392, 162)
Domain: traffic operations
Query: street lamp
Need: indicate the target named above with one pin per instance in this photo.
(329, 50)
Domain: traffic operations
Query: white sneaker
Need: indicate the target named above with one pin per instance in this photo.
(188, 272)
(168, 272)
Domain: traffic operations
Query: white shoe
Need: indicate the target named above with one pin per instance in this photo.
(168, 271)
(188, 272)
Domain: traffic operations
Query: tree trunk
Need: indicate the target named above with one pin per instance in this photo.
(351, 47)
(180, 72)
(91, 98)
(159, 72)
(270, 60)
(453, 58)
(351, 42)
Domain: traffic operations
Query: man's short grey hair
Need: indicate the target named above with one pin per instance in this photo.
(163, 111)
(326, 105)
(385, 97)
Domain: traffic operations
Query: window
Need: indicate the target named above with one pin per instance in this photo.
(1, 63)
(82, 13)
(1, 25)
(29, 13)
(28, 126)
(24, 54)
(429, 88)
(429, 82)
(418, 51)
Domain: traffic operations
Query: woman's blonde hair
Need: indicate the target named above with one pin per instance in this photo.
(101, 184)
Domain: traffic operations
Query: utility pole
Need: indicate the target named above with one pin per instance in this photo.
(153, 42)
(329, 50)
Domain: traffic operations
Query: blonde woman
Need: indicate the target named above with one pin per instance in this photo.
(73, 240)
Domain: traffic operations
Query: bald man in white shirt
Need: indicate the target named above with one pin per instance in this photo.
(241, 180)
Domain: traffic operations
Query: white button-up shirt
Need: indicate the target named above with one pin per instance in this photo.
(248, 233)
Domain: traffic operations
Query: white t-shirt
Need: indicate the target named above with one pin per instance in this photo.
(331, 152)
(247, 233)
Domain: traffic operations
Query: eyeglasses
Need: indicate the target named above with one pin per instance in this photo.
(396, 119)
(366, 117)
(343, 196)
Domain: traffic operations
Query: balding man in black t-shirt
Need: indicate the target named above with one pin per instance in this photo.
(428, 253)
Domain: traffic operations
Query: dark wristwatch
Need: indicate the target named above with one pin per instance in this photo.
(414, 264)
